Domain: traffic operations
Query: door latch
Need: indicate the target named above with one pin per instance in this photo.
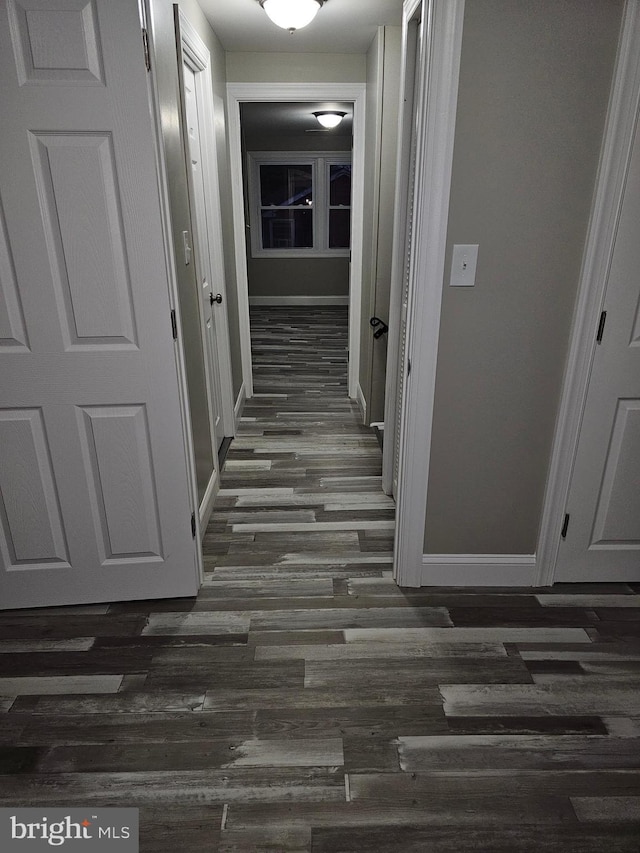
(217, 298)
(380, 327)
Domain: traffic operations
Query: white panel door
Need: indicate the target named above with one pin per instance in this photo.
(94, 489)
(602, 541)
(210, 306)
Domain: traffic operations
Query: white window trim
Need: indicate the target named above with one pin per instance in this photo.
(320, 162)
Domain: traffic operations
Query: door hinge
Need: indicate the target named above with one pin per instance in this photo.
(193, 524)
(145, 46)
(408, 366)
(174, 325)
(603, 319)
(565, 526)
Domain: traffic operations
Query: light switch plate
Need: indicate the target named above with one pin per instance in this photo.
(463, 265)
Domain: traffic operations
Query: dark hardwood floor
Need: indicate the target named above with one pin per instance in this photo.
(303, 702)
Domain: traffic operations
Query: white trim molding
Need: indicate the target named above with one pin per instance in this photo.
(442, 22)
(239, 93)
(516, 570)
(206, 505)
(614, 162)
(239, 406)
(362, 403)
(299, 300)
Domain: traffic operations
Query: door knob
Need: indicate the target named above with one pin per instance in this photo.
(217, 298)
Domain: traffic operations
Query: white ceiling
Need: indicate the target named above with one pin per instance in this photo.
(341, 26)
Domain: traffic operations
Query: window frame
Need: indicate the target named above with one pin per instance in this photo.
(328, 163)
(320, 162)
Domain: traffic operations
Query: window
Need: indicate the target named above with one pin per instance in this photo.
(300, 204)
(339, 179)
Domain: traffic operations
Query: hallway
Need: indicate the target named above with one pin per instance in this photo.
(303, 702)
(302, 478)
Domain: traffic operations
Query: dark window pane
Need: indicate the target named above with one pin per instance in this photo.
(287, 229)
(340, 185)
(339, 228)
(286, 185)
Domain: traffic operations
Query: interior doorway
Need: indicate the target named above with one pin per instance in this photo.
(310, 94)
(297, 186)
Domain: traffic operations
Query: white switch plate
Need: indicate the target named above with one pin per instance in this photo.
(463, 265)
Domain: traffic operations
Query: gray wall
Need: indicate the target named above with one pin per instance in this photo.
(326, 142)
(534, 85)
(281, 277)
(296, 67)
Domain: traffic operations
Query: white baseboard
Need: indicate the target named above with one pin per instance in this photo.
(479, 570)
(239, 406)
(206, 507)
(362, 403)
(298, 300)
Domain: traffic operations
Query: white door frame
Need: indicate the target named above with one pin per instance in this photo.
(392, 391)
(198, 57)
(435, 115)
(239, 93)
(172, 280)
(188, 53)
(614, 162)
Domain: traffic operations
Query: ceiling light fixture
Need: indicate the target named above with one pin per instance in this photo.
(291, 15)
(329, 118)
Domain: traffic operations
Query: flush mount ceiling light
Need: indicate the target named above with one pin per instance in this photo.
(329, 118)
(291, 15)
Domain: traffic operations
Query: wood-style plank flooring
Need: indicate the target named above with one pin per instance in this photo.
(303, 702)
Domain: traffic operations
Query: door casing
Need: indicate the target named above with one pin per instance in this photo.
(405, 169)
(435, 114)
(193, 51)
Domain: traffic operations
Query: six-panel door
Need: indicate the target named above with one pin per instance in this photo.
(94, 490)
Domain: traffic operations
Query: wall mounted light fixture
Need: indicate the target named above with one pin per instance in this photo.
(291, 15)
